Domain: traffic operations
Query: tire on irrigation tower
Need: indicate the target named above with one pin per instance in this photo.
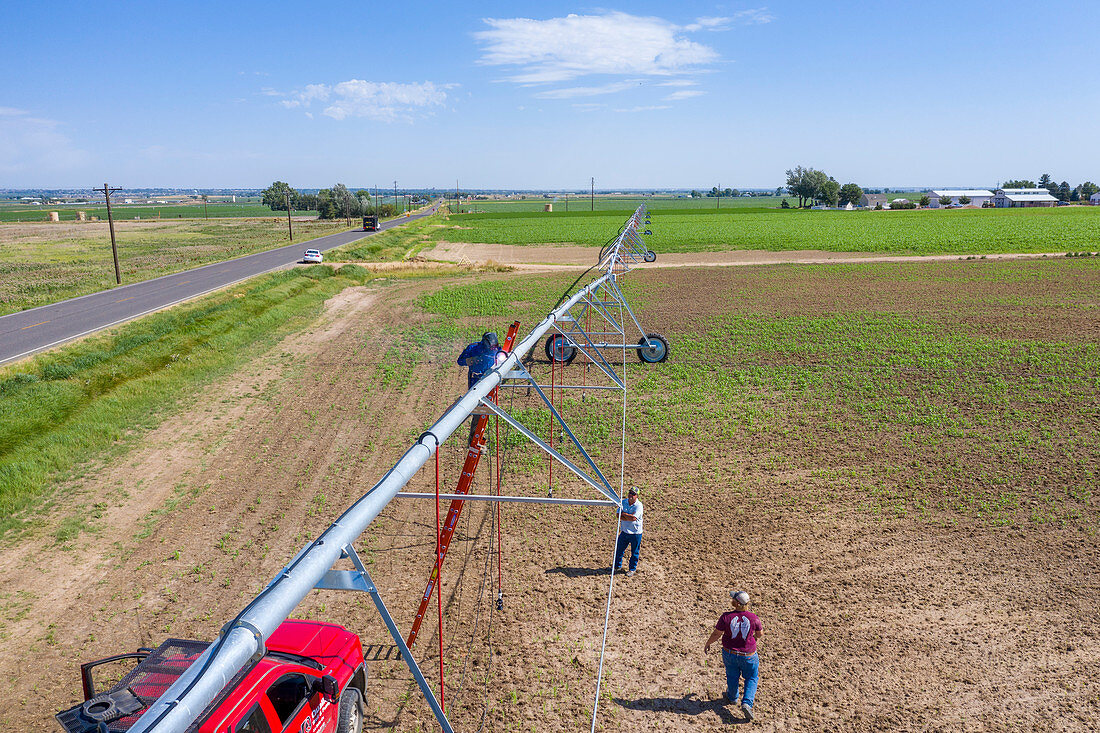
(650, 256)
(559, 349)
(350, 717)
(652, 348)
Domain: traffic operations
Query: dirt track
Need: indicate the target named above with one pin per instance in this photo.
(871, 625)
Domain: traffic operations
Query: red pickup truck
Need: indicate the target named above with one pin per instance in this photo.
(312, 679)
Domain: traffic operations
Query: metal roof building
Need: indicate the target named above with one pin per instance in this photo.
(977, 196)
(1016, 197)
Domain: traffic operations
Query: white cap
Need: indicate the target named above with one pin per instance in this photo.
(740, 597)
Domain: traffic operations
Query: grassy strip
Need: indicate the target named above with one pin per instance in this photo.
(45, 263)
(78, 403)
(964, 231)
(399, 243)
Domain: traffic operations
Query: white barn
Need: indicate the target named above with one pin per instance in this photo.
(1095, 199)
(977, 196)
(1007, 198)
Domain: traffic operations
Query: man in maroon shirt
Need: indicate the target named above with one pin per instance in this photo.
(739, 629)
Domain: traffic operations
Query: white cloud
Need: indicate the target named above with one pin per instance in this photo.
(645, 108)
(31, 147)
(686, 94)
(570, 92)
(385, 101)
(561, 49)
(678, 83)
(753, 16)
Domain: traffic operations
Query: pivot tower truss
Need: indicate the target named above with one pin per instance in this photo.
(596, 322)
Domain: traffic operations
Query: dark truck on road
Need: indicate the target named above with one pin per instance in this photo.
(312, 679)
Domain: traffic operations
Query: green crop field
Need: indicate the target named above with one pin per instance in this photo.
(619, 203)
(964, 231)
(122, 212)
(44, 263)
(935, 390)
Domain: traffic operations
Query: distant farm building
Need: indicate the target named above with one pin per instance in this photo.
(978, 197)
(871, 200)
(1007, 198)
(1095, 199)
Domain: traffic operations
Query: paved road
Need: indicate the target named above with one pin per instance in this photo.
(30, 331)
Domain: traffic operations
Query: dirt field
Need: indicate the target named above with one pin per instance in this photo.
(930, 619)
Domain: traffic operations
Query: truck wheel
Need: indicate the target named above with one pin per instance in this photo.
(650, 256)
(652, 348)
(350, 718)
(559, 349)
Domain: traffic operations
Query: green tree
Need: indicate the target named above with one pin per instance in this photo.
(1088, 188)
(1075, 195)
(945, 200)
(878, 206)
(1022, 183)
(1063, 191)
(925, 200)
(830, 192)
(1045, 181)
(274, 196)
(808, 184)
(964, 200)
(850, 193)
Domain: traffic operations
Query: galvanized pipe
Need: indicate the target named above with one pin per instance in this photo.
(183, 702)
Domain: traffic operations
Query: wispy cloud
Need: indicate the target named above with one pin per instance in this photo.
(384, 101)
(645, 108)
(562, 49)
(753, 16)
(685, 94)
(34, 146)
(570, 92)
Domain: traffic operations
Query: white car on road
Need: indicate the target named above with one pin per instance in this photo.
(312, 255)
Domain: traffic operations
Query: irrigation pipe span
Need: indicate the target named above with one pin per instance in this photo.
(242, 639)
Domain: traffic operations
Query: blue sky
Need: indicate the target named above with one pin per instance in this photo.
(544, 95)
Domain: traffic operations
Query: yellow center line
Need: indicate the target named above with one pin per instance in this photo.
(33, 325)
(125, 299)
(184, 282)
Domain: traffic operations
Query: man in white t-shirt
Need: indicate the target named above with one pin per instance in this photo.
(630, 532)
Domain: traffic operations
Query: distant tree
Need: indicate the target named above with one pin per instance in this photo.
(1045, 181)
(728, 193)
(1088, 188)
(779, 191)
(945, 200)
(695, 194)
(830, 192)
(878, 206)
(807, 184)
(734, 192)
(964, 200)
(925, 200)
(1022, 183)
(274, 196)
(850, 193)
(1063, 191)
(1075, 194)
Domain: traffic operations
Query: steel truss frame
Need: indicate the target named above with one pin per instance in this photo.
(242, 639)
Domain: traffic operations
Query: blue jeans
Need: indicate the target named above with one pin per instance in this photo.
(738, 667)
(635, 542)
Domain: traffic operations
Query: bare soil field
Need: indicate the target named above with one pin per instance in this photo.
(818, 437)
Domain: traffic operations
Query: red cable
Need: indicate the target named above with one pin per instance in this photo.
(438, 581)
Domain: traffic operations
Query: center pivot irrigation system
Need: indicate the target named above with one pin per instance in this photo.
(594, 322)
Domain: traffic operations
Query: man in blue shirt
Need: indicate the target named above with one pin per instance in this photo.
(479, 357)
(630, 532)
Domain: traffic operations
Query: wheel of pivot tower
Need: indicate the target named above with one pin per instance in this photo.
(559, 349)
(350, 718)
(650, 256)
(653, 348)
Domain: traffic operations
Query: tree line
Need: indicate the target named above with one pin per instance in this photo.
(337, 202)
(1060, 191)
(812, 186)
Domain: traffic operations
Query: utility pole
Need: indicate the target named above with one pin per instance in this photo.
(567, 201)
(395, 198)
(204, 216)
(719, 197)
(107, 190)
(456, 197)
(289, 226)
(592, 200)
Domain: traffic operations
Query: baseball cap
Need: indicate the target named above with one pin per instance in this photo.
(739, 597)
(633, 492)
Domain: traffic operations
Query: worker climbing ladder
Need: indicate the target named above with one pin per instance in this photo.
(465, 481)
